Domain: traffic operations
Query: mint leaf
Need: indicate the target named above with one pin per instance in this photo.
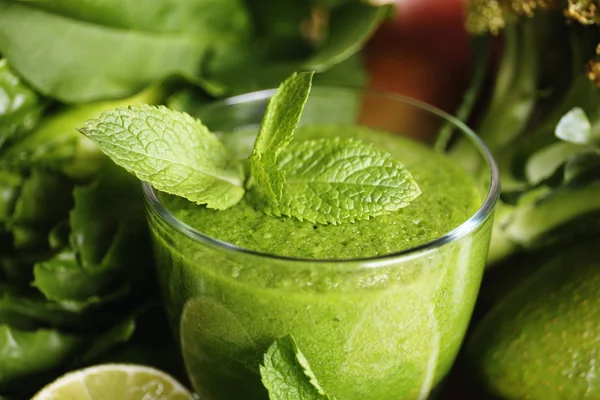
(277, 131)
(172, 151)
(340, 180)
(287, 375)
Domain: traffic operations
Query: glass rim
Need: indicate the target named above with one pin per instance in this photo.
(466, 227)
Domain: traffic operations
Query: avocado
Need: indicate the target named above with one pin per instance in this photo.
(542, 340)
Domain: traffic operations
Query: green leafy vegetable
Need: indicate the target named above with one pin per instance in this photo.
(351, 25)
(277, 131)
(75, 259)
(172, 151)
(83, 66)
(338, 181)
(27, 354)
(225, 46)
(287, 375)
(317, 38)
(20, 107)
(56, 144)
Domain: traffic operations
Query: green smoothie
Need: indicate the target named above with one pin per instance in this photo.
(381, 329)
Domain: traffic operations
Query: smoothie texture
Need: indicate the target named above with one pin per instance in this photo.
(379, 329)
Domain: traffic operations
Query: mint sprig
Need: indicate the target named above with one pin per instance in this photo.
(171, 150)
(327, 181)
(333, 181)
(286, 374)
(277, 131)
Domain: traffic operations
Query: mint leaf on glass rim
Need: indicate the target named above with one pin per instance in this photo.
(277, 131)
(334, 181)
(172, 151)
(286, 374)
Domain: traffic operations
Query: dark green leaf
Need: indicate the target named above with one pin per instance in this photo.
(93, 61)
(30, 310)
(63, 279)
(278, 26)
(57, 144)
(10, 188)
(109, 242)
(112, 203)
(200, 17)
(26, 355)
(45, 199)
(20, 107)
(350, 26)
(346, 30)
(120, 333)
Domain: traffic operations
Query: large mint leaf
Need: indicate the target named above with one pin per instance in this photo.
(20, 107)
(172, 151)
(287, 375)
(340, 180)
(277, 131)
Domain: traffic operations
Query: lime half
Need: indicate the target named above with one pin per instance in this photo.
(115, 382)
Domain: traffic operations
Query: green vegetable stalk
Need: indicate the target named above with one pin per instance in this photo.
(541, 121)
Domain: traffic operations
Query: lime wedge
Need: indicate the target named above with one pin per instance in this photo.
(115, 382)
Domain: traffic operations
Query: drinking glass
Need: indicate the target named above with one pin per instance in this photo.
(378, 328)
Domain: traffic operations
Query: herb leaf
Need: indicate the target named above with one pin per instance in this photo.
(277, 131)
(340, 180)
(287, 375)
(172, 151)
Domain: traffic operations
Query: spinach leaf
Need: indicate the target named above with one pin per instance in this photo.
(91, 61)
(347, 29)
(222, 18)
(41, 355)
(350, 26)
(27, 354)
(56, 144)
(109, 243)
(30, 310)
(20, 107)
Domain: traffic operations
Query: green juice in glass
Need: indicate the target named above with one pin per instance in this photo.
(379, 314)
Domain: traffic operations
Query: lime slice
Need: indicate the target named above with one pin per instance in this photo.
(115, 382)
